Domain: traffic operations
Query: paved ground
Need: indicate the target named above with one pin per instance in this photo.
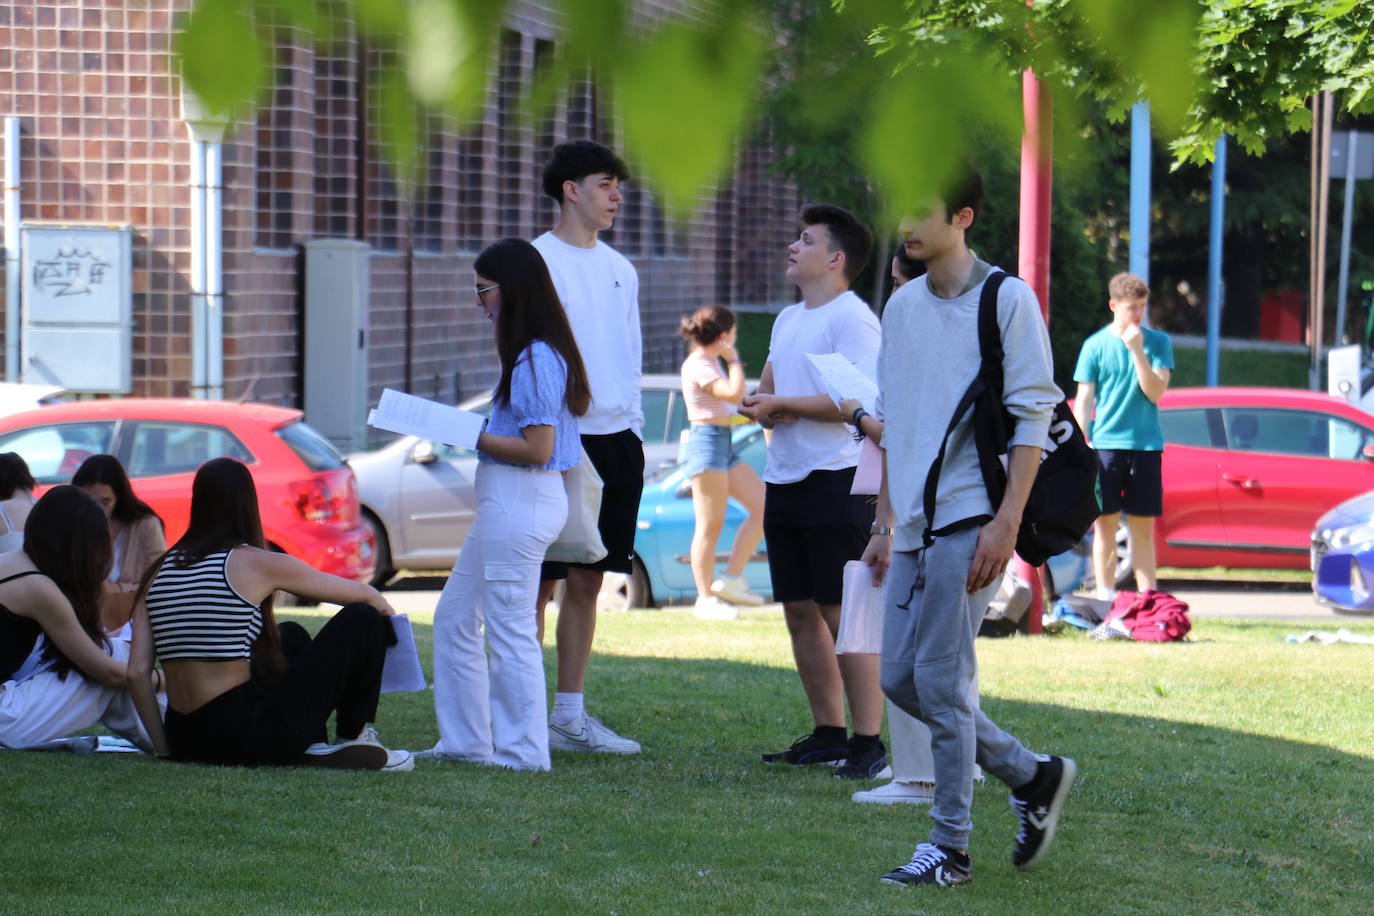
(1273, 601)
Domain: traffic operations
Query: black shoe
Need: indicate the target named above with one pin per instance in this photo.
(863, 760)
(932, 864)
(1037, 806)
(810, 749)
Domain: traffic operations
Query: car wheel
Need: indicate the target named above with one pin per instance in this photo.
(383, 572)
(622, 591)
(1125, 569)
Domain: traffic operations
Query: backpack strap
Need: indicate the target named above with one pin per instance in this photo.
(989, 374)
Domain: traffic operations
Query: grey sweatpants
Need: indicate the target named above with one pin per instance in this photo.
(928, 668)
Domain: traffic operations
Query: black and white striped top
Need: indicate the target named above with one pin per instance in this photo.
(196, 614)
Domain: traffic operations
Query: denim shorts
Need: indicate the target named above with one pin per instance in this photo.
(709, 449)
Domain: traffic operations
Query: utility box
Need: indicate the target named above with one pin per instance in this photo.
(77, 307)
(337, 290)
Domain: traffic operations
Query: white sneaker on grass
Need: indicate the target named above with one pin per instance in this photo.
(897, 793)
(364, 752)
(586, 734)
(709, 607)
(736, 590)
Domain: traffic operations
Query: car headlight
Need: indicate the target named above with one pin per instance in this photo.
(1349, 535)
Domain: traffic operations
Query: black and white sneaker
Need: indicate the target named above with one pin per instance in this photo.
(812, 748)
(1037, 805)
(932, 864)
(865, 759)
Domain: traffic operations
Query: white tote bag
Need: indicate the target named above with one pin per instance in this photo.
(580, 540)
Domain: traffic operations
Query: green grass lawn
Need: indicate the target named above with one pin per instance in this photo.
(1231, 774)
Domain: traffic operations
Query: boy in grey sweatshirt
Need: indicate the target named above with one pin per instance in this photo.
(937, 596)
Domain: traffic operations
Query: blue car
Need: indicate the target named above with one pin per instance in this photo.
(1343, 556)
(663, 574)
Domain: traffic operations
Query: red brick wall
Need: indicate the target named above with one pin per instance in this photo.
(103, 142)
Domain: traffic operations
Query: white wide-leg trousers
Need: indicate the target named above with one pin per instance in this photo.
(492, 707)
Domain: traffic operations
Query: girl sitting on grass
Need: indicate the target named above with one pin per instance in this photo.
(60, 674)
(241, 689)
(135, 530)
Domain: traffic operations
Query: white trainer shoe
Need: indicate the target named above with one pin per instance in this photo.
(895, 793)
(589, 736)
(364, 752)
(710, 607)
(736, 590)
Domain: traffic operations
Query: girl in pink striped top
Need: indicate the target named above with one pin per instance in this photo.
(715, 469)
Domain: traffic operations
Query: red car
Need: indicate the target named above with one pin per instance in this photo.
(306, 492)
(1248, 471)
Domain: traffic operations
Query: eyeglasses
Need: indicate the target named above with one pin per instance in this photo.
(482, 289)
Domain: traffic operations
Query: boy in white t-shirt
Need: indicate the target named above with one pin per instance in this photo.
(812, 524)
(599, 289)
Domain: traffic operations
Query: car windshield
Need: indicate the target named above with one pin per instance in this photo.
(315, 450)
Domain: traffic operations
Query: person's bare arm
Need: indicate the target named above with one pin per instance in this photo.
(869, 425)
(257, 573)
(734, 388)
(997, 539)
(141, 681)
(1153, 382)
(1085, 398)
(878, 553)
(532, 447)
(51, 610)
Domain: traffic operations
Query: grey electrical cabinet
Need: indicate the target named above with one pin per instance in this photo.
(77, 312)
(336, 301)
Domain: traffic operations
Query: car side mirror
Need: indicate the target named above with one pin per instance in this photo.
(423, 452)
(1367, 453)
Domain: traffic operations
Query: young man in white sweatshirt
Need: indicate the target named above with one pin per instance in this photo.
(599, 289)
(937, 594)
(813, 525)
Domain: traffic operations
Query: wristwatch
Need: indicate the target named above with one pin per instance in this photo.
(880, 529)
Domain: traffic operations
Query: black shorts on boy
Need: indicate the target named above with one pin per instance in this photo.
(619, 459)
(812, 528)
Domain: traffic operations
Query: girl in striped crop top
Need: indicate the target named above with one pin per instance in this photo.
(59, 674)
(243, 690)
(714, 466)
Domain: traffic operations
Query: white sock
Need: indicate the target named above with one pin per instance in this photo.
(567, 707)
(1106, 594)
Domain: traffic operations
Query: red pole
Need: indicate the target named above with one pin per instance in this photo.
(1034, 261)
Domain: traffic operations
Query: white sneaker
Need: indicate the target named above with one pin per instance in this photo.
(736, 590)
(911, 793)
(710, 607)
(364, 752)
(588, 735)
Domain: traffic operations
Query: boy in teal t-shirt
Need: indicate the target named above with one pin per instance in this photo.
(1123, 371)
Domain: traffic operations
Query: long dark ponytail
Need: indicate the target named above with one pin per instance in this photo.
(68, 539)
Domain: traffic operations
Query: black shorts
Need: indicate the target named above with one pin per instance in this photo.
(619, 459)
(812, 528)
(1131, 482)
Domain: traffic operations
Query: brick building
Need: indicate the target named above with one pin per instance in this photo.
(103, 143)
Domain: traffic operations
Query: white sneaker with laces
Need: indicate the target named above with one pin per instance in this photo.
(588, 735)
(364, 752)
(710, 607)
(736, 590)
(895, 793)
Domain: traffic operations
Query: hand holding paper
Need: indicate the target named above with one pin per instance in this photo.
(403, 413)
(842, 379)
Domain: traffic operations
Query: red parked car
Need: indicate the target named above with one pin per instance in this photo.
(307, 495)
(1248, 471)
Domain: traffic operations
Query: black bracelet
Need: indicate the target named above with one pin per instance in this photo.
(857, 416)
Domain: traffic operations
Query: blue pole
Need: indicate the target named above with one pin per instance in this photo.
(1140, 191)
(1214, 291)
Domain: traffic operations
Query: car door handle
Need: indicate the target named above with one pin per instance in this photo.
(1245, 483)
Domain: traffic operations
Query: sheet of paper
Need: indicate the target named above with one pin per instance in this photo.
(401, 672)
(842, 379)
(403, 413)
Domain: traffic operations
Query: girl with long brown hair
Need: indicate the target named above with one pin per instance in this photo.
(243, 690)
(491, 705)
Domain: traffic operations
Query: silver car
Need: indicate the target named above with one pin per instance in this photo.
(417, 495)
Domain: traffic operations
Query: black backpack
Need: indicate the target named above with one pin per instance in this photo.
(1064, 501)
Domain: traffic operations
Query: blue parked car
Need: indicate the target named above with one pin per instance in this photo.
(1343, 556)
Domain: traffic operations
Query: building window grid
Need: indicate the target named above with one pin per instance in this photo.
(335, 141)
(275, 177)
(429, 216)
(510, 145)
(544, 209)
(384, 216)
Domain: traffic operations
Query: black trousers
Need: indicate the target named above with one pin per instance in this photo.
(272, 722)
